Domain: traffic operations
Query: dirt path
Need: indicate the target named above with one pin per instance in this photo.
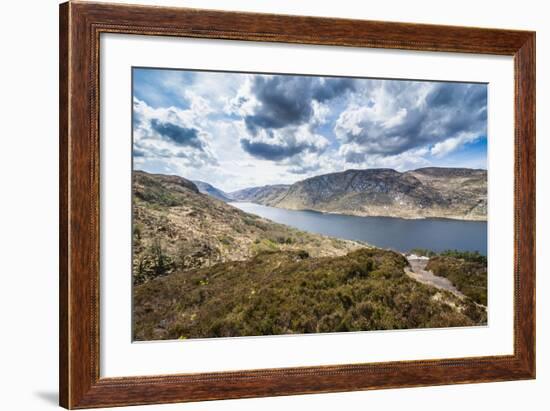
(418, 272)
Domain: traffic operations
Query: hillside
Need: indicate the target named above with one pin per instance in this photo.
(176, 228)
(457, 193)
(266, 195)
(466, 271)
(209, 189)
(288, 292)
(464, 189)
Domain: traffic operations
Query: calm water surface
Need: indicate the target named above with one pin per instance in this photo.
(435, 234)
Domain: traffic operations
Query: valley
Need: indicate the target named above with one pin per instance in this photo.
(203, 268)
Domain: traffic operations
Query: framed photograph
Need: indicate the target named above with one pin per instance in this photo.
(259, 205)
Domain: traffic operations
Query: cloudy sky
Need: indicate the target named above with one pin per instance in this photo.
(236, 130)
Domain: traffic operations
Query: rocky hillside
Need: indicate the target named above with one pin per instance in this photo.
(266, 195)
(177, 228)
(288, 292)
(458, 193)
(209, 189)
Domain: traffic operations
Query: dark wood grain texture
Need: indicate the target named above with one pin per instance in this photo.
(63, 204)
(80, 27)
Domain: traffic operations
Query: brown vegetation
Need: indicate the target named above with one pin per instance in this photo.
(176, 228)
(289, 292)
(467, 272)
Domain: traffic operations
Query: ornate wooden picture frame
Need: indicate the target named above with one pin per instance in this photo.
(81, 25)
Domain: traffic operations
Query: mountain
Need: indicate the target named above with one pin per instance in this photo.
(270, 194)
(209, 189)
(176, 228)
(458, 193)
(464, 189)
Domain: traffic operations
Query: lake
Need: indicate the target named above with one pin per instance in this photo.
(437, 234)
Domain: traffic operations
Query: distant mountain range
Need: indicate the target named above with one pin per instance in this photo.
(209, 189)
(267, 195)
(458, 193)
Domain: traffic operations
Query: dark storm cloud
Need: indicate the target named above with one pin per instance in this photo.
(180, 135)
(331, 88)
(283, 101)
(275, 152)
(287, 100)
(157, 139)
(449, 110)
(455, 108)
(449, 94)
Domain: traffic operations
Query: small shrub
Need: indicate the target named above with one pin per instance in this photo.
(360, 269)
(153, 263)
(303, 254)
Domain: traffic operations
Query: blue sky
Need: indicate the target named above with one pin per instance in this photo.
(236, 130)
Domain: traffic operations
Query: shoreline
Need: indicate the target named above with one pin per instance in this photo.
(453, 218)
